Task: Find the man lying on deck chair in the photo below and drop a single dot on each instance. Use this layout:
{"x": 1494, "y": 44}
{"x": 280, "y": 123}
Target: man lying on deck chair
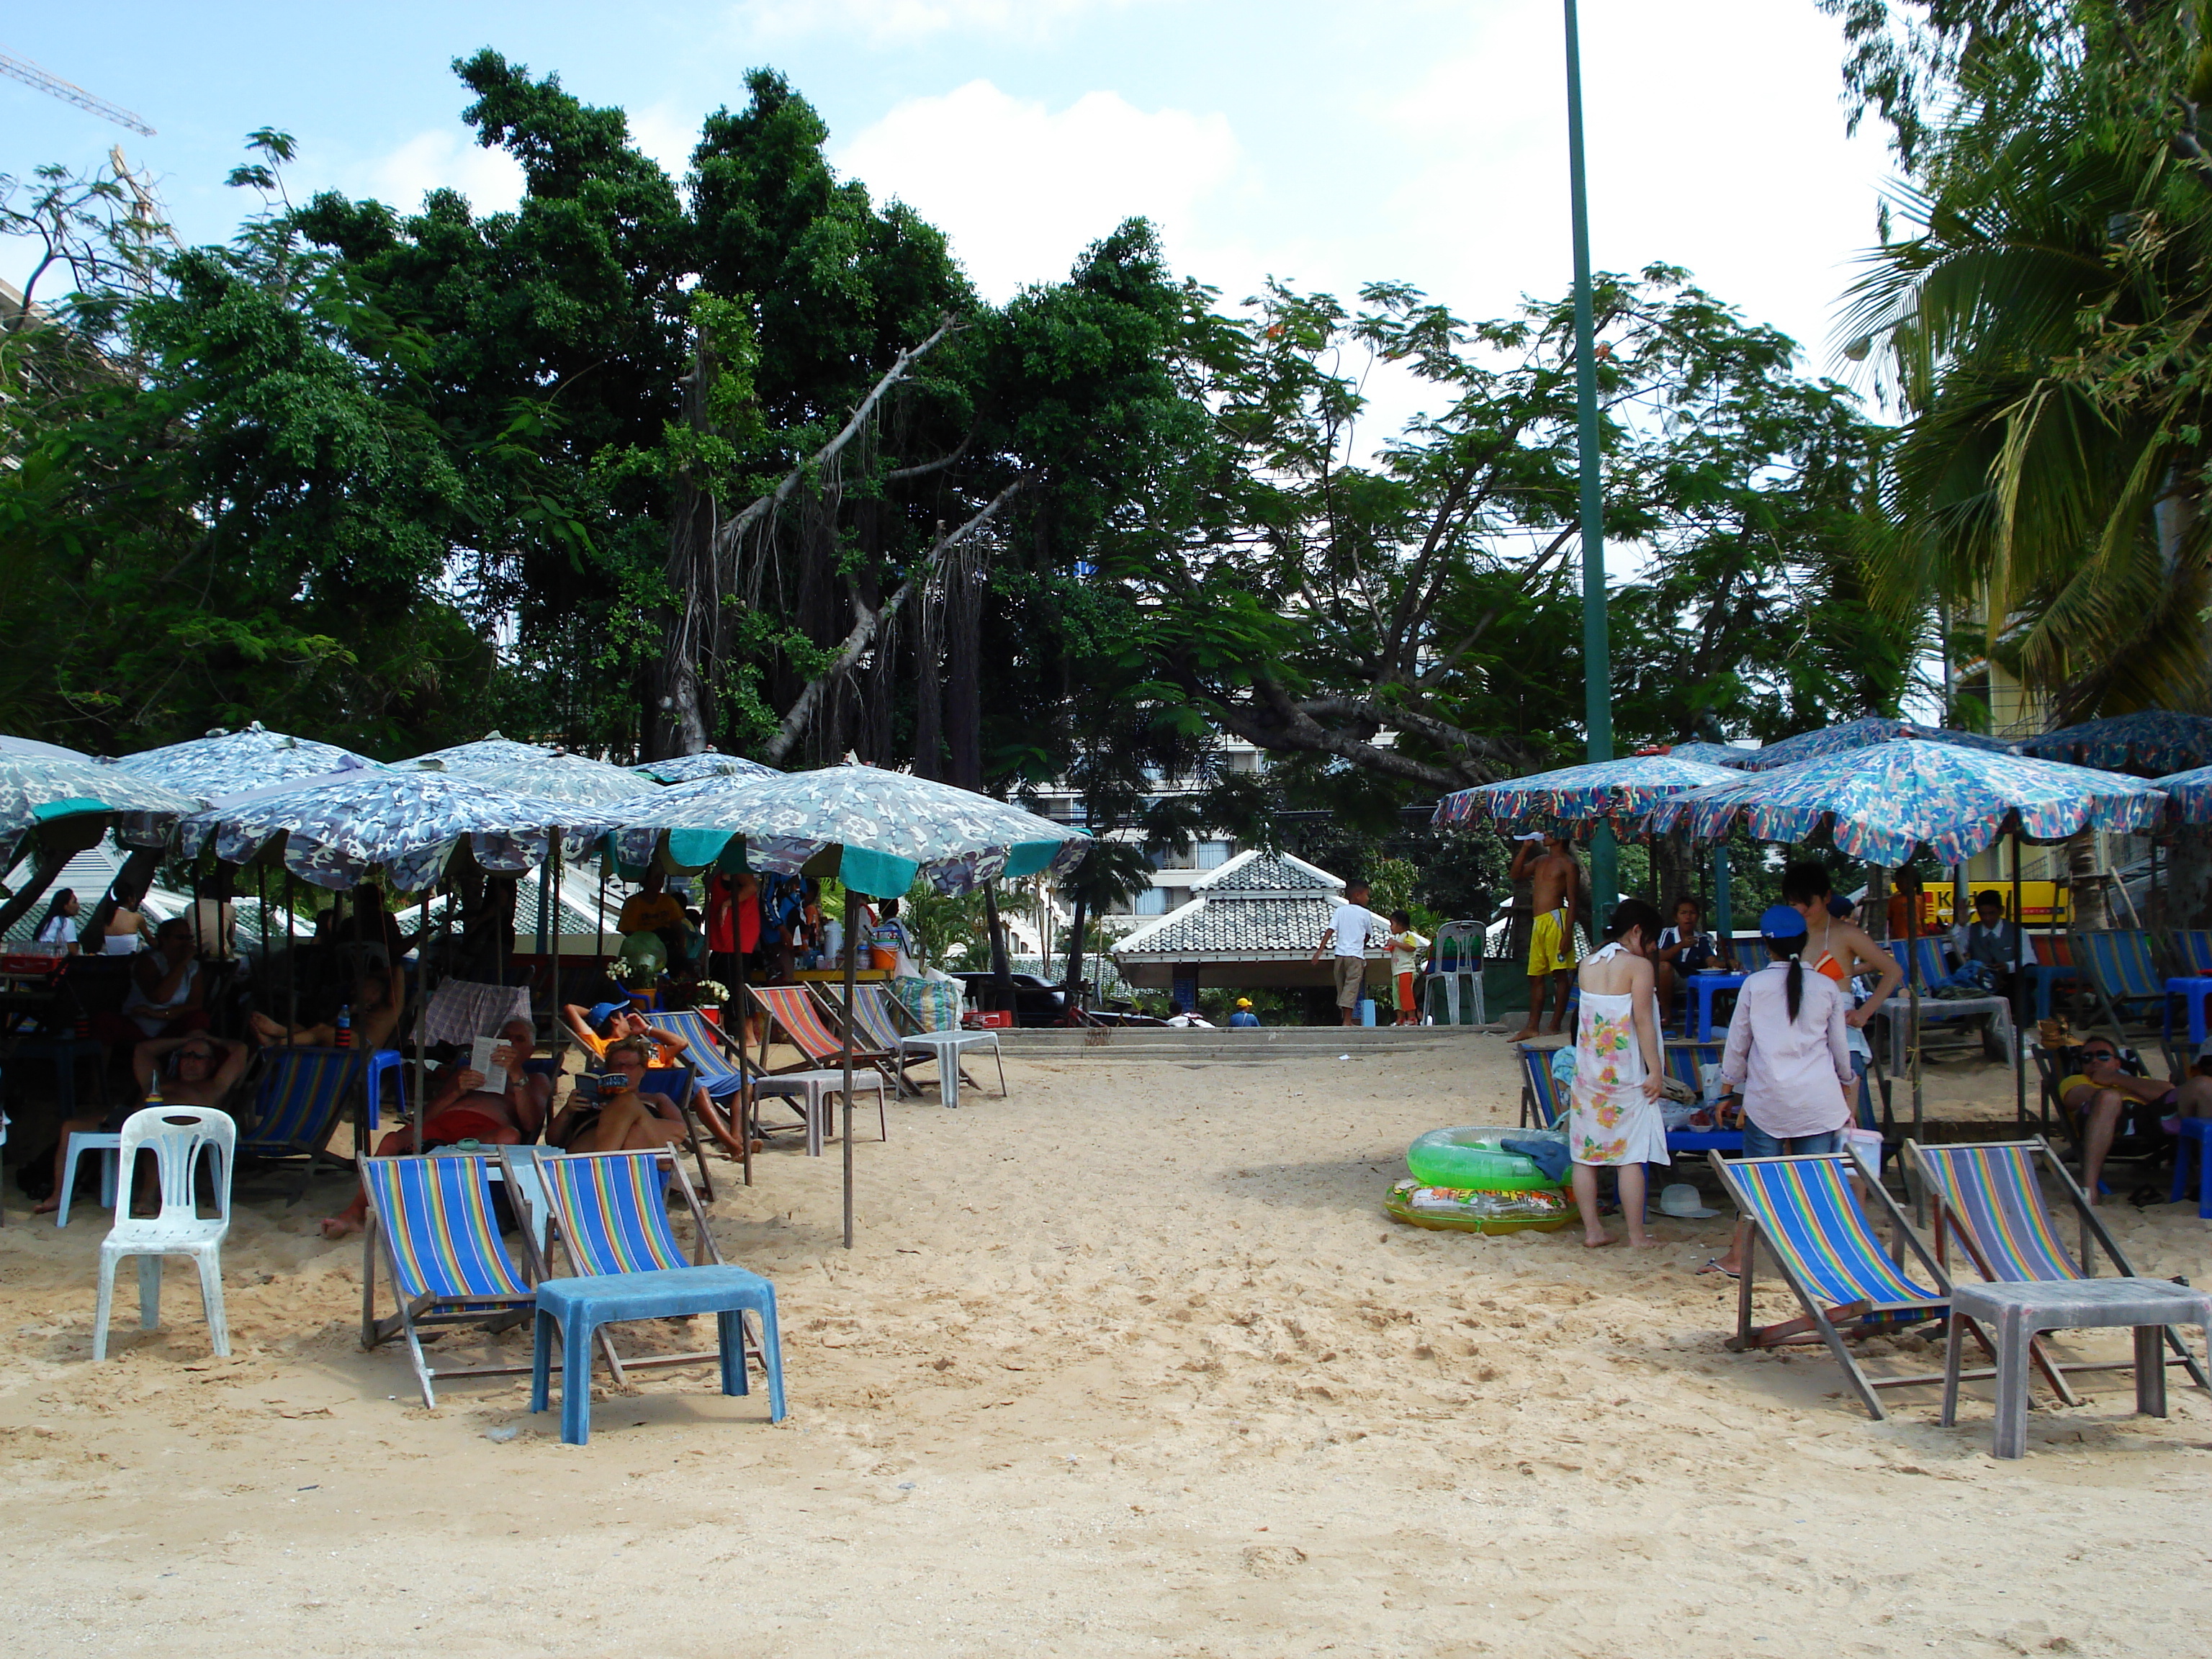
{"x": 198, "y": 1070}
{"x": 621, "y": 1117}
{"x": 2101, "y": 1091}
{"x": 599, "y": 1027}
{"x": 461, "y": 1108}
{"x": 375, "y": 1013}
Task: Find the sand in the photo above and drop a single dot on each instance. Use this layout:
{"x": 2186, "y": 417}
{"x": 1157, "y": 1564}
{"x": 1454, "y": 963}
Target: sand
{"x": 1130, "y": 1363}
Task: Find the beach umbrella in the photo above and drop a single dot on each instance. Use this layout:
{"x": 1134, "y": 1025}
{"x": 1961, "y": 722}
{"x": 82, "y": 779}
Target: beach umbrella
{"x": 1859, "y": 734}
{"x": 1710, "y": 754}
{"x": 878, "y": 832}
{"x": 1882, "y": 803}
{"x": 707, "y": 763}
{"x": 2188, "y": 795}
{"x": 1616, "y": 789}
{"x": 224, "y": 763}
{"x": 63, "y": 805}
{"x": 577, "y": 778}
{"x": 31, "y": 747}
{"x": 2150, "y": 741}
{"x": 493, "y": 749}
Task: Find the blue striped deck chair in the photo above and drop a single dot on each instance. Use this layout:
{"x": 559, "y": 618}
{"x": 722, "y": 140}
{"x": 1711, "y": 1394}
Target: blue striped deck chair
{"x": 2192, "y": 949}
{"x": 1806, "y": 1211}
{"x": 1542, "y": 1101}
{"x": 711, "y": 1057}
{"x": 1686, "y": 1063}
{"x": 431, "y": 1219}
{"x": 2123, "y": 972}
{"x": 1988, "y": 1195}
{"x": 297, "y": 1102}
{"x": 610, "y": 1213}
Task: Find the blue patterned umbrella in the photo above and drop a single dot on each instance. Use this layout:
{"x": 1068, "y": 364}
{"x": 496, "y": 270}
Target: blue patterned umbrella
{"x": 1617, "y": 789}
{"x": 36, "y": 789}
{"x": 1712, "y": 754}
{"x": 2189, "y": 795}
{"x": 2151, "y": 740}
{"x": 231, "y": 763}
{"x": 574, "y": 778}
{"x": 707, "y": 763}
{"x": 493, "y": 749}
{"x": 1858, "y": 734}
{"x": 886, "y": 829}
{"x": 42, "y": 751}
{"x": 1881, "y": 802}
{"x": 397, "y": 829}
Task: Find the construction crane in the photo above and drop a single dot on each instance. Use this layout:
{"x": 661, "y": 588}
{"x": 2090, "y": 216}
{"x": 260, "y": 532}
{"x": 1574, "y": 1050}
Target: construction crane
{"x": 21, "y": 69}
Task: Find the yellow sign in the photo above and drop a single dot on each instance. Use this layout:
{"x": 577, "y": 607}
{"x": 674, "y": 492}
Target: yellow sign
{"x": 2043, "y": 904}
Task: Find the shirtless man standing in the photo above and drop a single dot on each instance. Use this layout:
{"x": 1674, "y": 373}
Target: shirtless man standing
{"x": 1554, "y": 879}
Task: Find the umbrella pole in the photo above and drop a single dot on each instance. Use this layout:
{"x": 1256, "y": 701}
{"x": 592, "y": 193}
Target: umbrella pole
{"x": 421, "y": 1009}
{"x": 549, "y": 914}
{"x": 291, "y": 966}
{"x": 1913, "y": 984}
{"x": 851, "y": 984}
{"x": 2019, "y": 977}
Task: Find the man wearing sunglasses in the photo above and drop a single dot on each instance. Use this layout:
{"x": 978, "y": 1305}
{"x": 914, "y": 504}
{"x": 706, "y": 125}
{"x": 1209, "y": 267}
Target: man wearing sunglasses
{"x": 194, "y": 1070}
{"x": 2099, "y": 1094}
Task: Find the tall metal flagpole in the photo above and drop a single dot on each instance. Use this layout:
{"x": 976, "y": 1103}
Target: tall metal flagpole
{"x": 1597, "y": 651}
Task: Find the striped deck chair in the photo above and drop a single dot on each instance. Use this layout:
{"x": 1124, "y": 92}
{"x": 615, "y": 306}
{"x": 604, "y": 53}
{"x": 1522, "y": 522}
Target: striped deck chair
{"x": 2192, "y": 949}
{"x": 297, "y": 1102}
{"x": 1925, "y": 967}
{"x": 1542, "y": 1101}
{"x": 890, "y": 1023}
{"x": 2122, "y": 972}
{"x": 1988, "y": 1194}
{"x": 806, "y": 1025}
{"x": 873, "y": 1026}
{"x": 1807, "y": 1213}
{"x": 713, "y": 1058}
{"x": 432, "y": 1218}
{"x": 610, "y": 1213}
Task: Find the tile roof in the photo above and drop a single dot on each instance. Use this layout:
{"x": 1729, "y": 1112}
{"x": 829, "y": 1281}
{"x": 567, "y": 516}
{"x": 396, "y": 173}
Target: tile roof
{"x": 1259, "y": 905}
{"x": 1257, "y": 874}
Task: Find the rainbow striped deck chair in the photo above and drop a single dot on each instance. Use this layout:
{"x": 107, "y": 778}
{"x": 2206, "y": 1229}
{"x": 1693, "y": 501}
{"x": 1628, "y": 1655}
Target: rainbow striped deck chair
{"x": 609, "y": 1215}
{"x": 1987, "y": 1195}
{"x": 297, "y": 1102}
{"x": 890, "y": 1025}
{"x": 2122, "y": 969}
{"x": 712, "y": 1056}
{"x": 1686, "y": 1064}
{"x": 431, "y": 1219}
{"x": 1542, "y": 1099}
{"x": 812, "y": 1029}
{"x": 1806, "y": 1211}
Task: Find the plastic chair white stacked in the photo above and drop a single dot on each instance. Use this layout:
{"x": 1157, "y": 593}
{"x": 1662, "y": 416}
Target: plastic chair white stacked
{"x": 177, "y": 1135}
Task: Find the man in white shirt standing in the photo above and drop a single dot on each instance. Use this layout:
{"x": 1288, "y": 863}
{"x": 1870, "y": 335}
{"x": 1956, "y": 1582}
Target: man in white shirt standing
{"x": 1350, "y": 928}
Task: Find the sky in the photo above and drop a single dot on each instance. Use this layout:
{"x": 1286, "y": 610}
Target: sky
{"x": 1326, "y": 145}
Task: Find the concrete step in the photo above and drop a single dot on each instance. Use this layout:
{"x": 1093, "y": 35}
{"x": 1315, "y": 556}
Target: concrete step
{"x": 1269, "y": 1044}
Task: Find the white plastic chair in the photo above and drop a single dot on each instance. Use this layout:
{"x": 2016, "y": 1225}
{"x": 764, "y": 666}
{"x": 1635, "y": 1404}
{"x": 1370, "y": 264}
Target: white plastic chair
{"x": 177, "y": 1136}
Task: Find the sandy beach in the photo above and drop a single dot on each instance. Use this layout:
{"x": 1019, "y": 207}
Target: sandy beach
{"x": 1129, "y": 1363}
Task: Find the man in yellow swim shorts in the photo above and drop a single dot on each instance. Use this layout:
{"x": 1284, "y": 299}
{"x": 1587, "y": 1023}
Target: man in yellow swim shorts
{"x": 1553, "y": 879}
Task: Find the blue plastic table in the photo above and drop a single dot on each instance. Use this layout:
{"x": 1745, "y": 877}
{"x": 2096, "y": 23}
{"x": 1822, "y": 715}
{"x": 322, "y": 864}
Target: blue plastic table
{"x": 580, "y": 1306}
{"x": 1704, "y": 987}
{"x": 2195, "y": 989}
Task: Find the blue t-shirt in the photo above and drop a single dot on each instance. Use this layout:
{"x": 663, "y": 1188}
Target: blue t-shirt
{"x": 1243, "y": 1017}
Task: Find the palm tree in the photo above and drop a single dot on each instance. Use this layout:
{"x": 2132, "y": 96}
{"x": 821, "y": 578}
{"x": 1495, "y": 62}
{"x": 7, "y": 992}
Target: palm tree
{"x": 1110, "y": 872}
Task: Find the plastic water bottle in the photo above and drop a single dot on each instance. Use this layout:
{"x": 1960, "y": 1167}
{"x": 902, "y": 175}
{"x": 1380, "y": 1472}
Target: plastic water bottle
{"x": 154, "y": 1091}
{"x": 344, "y": 1036}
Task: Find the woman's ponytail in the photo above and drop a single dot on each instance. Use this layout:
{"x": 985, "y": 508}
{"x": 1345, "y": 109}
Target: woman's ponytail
{"x": 1794, "y": 992}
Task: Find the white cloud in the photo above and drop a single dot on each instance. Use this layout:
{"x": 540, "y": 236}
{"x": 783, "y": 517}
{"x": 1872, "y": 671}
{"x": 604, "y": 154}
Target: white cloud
{"x": 1022, "y": 189}
{"x": 889, "y": 23}
{"x": 666, "y": 136}
{"x": 441, "y": 158}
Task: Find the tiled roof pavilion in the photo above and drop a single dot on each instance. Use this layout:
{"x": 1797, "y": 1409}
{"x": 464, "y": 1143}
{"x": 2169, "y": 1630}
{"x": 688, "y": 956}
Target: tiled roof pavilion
{"x": 1254, "y": 922}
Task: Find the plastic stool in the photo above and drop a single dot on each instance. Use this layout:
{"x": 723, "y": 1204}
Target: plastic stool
{"x": 2189, "y": 1148}
{"x": 82, "y": 1141}
{"x": 379, "y": 1062}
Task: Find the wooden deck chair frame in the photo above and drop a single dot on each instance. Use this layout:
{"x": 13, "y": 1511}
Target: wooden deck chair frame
{"x": 488, "y": 1313}
{"x": 302, "y": 1135}
{"x": 1948, "y": 1221}
{"x": 1824, "y": 1320}
{"x": 705, "y": 1252}
{"x": 810, "y": 1060}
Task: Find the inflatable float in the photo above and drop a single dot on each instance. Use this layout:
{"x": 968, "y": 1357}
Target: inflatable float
{"x": 1464, "y": 1180}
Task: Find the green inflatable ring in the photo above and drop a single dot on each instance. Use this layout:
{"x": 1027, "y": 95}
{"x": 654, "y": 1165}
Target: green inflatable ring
{"x": 1474, "y": 1157}
{"x": 1444, "y": 1209}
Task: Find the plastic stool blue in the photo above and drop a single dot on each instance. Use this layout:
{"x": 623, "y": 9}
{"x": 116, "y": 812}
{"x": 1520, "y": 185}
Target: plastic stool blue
{"x": 578, "y": 1307}
{"x": 381, "y": 1061}
{"x": 2191, "y": 1148}
{"x": 109, "y": 1146}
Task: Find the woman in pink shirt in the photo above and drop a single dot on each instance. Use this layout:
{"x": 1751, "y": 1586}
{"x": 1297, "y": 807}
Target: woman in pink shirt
{"x": 1787, "y": 1054}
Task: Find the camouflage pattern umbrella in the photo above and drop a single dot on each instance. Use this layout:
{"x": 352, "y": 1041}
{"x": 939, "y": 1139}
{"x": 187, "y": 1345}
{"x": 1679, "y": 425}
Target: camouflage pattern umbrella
{"x": 230, "y": 762}
{"x": 707, "y": 763}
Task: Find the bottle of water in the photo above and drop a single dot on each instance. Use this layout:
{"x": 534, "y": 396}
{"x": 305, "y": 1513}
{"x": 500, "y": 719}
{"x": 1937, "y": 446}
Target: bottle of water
{"x": 154, "y": 1089}
{"x": 344, "y": 1039}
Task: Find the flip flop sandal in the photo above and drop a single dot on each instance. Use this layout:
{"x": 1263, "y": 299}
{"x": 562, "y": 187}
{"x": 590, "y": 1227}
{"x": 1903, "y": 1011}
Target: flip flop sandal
{"x": 1713, "y": 1266}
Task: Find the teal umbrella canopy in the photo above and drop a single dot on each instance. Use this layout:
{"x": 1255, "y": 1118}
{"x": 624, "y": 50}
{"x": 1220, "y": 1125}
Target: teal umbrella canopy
{"x": 877, "y": 831}
{"x": 35, "y": 789}
{"x": 231, "y": 763}
{"x": 1881, "y": 803}
{"x": 707, "y": 763}
{"x": 1859, "y": 734}
{"x": 399, "y": 830}
{"x": 2150, "y": 740}
{"x": 1617, "y": 789}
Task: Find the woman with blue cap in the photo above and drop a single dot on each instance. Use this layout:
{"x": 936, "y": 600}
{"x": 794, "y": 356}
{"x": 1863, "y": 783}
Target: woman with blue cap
{"x": 1787, "y": 1055}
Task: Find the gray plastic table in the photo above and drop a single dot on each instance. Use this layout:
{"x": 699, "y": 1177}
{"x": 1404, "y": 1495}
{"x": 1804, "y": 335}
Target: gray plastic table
{"x": 2013, "y": 1314}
